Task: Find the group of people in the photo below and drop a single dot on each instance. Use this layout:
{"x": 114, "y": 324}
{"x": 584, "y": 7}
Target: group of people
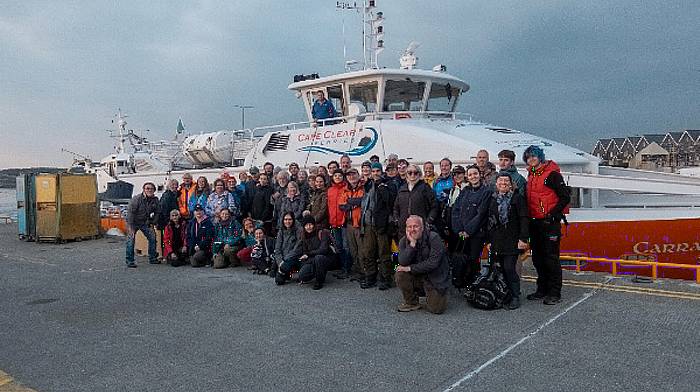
{"x": 384, "y": 225}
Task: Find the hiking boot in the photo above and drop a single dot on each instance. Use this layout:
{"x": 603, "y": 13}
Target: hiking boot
{"x": 535, "y": 296}
{"x": 357, "y": 278}
{"x": 341, "y": 275}
{"x": 131, "y": 265}
{"x": 513, "y": 304}
{"x": 317, "y": 286}
{"x": 404, "y": 307}
{"x": 383, "y": 285}
{"x": 551, "y": 300}
{"x": 368, "y": 284}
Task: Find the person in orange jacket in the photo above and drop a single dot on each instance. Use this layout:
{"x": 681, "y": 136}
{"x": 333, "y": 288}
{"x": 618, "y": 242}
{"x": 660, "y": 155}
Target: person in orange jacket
{"x": 336, "y": 221}
{"x": 186, "y": 189}
{"x": 351, "y": 204}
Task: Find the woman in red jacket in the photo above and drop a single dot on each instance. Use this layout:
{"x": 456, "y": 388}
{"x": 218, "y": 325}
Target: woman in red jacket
{"x": 336, "y": 221}
{"x": 175, "y": 240}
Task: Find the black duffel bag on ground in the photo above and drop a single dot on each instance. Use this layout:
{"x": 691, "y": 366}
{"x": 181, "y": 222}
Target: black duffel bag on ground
{"x": 489, "y": 291}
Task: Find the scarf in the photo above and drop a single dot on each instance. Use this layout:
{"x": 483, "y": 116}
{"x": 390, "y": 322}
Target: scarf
{"x": 503, "y": 201}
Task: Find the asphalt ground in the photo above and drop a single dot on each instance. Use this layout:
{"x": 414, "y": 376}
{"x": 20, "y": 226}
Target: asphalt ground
{"x": 73, "y": 318}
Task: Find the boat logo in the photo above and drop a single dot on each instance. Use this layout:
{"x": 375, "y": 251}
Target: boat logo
{"x": 367, "y": 140}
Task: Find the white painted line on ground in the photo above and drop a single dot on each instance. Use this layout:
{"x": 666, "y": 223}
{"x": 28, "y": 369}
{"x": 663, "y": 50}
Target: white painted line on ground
{"x": 510, "y": 348}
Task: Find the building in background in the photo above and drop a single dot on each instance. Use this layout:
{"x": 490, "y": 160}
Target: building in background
{"x": 660, "y": 152}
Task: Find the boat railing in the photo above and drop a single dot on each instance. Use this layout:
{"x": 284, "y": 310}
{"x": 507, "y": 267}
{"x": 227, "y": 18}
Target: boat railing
{"x": 258, "y": 132}
{"x": 617, "y": 263}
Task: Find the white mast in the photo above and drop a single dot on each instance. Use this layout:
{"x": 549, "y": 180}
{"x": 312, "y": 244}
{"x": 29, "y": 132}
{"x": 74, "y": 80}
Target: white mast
{"x": 121, "y": 129}
{"x": 372, "y": 33}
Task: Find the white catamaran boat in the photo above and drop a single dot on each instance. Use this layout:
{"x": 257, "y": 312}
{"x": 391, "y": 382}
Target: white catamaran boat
{"x": 616, "y": 212}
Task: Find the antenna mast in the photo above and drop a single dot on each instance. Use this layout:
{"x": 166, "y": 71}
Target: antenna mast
{"x": 372, "y": 32}
{"x": 120, "y": 122}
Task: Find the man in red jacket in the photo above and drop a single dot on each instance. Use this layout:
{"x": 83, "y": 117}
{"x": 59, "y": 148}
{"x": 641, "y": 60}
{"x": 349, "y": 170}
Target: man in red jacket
{"x": 547, "y": 199}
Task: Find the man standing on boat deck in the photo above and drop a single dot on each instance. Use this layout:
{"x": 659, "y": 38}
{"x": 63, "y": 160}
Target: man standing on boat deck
{"x": 142, "y": 215}
{"x": 186, "y": 189}
{"x": 322, "y": 108}
{"x": 547, "y": 199}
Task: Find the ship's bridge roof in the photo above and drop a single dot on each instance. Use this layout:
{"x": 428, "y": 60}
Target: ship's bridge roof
{"x": 383, "y": 72}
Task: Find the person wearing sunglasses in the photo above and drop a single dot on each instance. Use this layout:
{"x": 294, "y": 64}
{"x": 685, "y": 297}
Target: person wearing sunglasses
{"x": 414, "y": 198}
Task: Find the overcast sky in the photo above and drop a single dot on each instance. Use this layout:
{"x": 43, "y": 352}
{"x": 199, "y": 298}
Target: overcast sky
{"x": 571, "y": 70}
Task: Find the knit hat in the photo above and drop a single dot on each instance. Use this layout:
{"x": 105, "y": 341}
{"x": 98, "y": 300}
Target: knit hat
{"x": 533, "y": 151}
{"x": 254, "y": 170}
{"x": 376, "y": 165}
{"x": 338, "y": 171}
{"x": 366, "y": 163}
{"x": 308, "y": 219}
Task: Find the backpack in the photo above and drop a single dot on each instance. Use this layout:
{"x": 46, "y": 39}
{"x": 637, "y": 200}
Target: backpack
{"x": 489, "y": 291}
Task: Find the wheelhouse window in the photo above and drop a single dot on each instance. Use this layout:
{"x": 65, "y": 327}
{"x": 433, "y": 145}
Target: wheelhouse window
{"x": 403, "y": 95}
{"x": 364, "y": 94}
{"x": 442, "y": 97}
{"x": 335, "y": 95}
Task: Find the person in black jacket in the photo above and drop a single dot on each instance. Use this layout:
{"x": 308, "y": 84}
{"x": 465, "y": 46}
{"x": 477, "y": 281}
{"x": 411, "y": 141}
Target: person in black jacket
{"x": 142, "y": 214}
{"x": 168, "y": 202}
{"x": 260, "y": 203}
{"x": 375, "y": 250}
{"x": 415, "y": 197}
{"x": 200, "y": 238}
{"x": 468, "y": 221}
{"x": 313, "y": 248}
{"x": 422, "y": 264}
{"x": 507, "y": 232}
{"x": 261, "y": 255}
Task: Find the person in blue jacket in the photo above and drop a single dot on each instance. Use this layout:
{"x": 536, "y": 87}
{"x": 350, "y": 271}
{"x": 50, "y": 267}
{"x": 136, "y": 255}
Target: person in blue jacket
{"x": 322, "y": 108}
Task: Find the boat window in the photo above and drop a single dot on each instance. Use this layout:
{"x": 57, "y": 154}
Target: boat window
{"x": 442, "y": 97}
{"x": 335, "y": 95}
{"x": 403, "y": 95}
{"x": 364, "y": 94}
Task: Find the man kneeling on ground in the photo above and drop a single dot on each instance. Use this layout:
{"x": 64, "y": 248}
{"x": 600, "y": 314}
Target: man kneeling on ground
{"x": 200, "y": 237}
{"x": 422, "y": 264}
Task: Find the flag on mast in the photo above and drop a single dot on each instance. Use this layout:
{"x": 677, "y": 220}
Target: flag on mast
{"x": 180, "y": 128}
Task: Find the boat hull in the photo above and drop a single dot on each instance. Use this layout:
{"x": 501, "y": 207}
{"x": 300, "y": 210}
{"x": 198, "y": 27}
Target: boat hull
{"x": 665, "y": 241}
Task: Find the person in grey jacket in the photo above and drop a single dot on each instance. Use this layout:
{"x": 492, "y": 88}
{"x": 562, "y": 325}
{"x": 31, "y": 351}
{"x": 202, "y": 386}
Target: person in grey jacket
{"x": 285, "y": 246}
{"x": 142, "y": 214}
{"x": 422, "y": 264}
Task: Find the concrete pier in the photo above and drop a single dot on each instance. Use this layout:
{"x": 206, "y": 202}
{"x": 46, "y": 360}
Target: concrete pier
{"x": 74, "y": 318}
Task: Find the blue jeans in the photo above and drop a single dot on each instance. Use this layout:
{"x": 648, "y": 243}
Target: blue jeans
{"x": 342, "y": 248}
{"x": 150, "y": 235}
